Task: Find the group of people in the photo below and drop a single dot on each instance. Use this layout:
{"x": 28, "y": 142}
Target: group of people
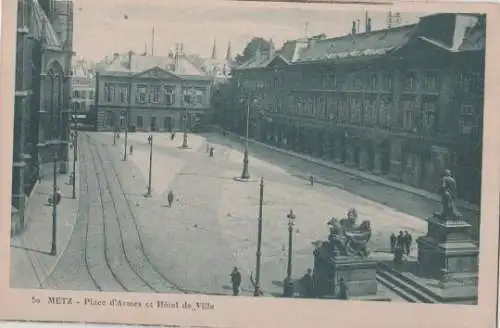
{"x": 308, "y": 290}
{"x": 401, "y": 245}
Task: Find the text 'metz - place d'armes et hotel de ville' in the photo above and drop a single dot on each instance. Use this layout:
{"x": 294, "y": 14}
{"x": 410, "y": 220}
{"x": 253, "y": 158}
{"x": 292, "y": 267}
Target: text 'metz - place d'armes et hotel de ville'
{"x": 299, "y": 157}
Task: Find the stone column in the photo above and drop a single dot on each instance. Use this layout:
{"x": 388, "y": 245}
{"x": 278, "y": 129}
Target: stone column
{"x": 395, "y": 171}
{"x": 363, "y": 158}
{"x": 350, "y": 153}
{"x": 377, "y": 162}
{"x": 339, "y": 148}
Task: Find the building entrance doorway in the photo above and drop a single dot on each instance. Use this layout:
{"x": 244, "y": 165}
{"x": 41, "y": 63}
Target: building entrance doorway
{"x": 167, "y": 124}
{"x": 153, "y": 124}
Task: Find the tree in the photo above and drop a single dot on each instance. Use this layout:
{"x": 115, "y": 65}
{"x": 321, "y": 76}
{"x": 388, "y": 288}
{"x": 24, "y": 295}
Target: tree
{"x": 251, "y": 49}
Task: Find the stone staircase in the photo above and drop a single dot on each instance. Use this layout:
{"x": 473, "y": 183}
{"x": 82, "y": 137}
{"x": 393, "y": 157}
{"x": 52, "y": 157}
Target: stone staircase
{"x": 414, "y": 291}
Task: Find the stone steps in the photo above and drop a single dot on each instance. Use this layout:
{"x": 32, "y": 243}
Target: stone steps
{"x": 405, "y": 287}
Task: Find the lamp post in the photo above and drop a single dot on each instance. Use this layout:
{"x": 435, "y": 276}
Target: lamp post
{"x": 188, "y": 98}
{"x": 126, "y": 135}
{"x": 245, "y": 175}
{"x": 259, "y": 241}
{"x": 75, "y": 153}
{"x": 150, "y": 141}
{"x": 288, "y": 283}
{"x": 53, "y": 250}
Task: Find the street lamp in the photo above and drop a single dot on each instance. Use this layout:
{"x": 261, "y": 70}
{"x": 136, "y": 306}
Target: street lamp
{"x": 150, "y": 141}
{"x": 188, "y": 98}
{"x": 53, "y": 250}
{"x": 126, "y": 133}
{"x": 75, "y": 152}
{"x": 288, "y": 283}
{"x": 257, "y": 291}
{"x": 245, "y": 175}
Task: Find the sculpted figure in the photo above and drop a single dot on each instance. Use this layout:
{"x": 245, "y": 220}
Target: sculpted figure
{"x": 346, "y": 239}
{"x": 447, "y": 191}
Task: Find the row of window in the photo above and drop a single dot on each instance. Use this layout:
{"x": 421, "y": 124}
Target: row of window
{"x": 83, "y": 94}
{"x": 370, "y": 111}
{"x": 116, "y": 120}
{"x": 410, "y": 81}
{"x": 79, "y": 106}
{"x": 153, "y": 94}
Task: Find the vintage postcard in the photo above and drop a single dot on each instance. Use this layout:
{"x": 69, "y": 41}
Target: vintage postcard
{"x": 249, "y": 164}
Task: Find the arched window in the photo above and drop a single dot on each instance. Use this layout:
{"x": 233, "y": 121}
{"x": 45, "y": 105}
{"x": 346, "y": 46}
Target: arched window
{"x": 77, "y": 106}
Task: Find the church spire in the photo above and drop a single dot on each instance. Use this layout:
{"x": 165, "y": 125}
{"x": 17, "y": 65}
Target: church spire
{"x": 272, "y": 49}
{"x": 214, "y": 50}
{"x": 228, "y": 52}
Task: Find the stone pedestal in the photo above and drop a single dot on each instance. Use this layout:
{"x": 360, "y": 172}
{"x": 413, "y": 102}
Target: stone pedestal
{"x": 360, "y": 275}
{"x": 447, "y": 252}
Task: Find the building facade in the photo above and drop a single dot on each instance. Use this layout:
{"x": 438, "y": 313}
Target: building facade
{"x": 152, "y": 93}
{"x": 42, "y": 93}
{"x": 83, "y": 87}
{"x": 374, "y": 100}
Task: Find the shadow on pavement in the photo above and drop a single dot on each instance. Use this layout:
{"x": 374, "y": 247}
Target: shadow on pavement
{"x": 31, "y": 250}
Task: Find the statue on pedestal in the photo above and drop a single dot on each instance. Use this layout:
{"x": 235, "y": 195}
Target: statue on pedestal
{"x": 447, "y": 191}
{"x": 348, "y": 239}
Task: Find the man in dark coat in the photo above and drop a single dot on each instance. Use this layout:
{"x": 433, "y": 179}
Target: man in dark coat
{"x": 393, "y": 242}
{"x": 307, "y": 284}
{"x": 170, "y": 198}
{"x": 408, "y": 240}
{"x": 342, "y": 295}
{"x": 236, "y": 281}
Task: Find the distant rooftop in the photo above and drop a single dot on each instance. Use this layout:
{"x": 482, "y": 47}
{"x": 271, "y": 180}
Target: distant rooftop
{"x": 468, "y": 34}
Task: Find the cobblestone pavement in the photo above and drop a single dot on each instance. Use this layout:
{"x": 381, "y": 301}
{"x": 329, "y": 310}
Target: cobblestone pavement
{"x": 212, "y": 224}
{"x": 398, "y": 199}
{"x": 105, "y": 243}
{"x": 30, "y": 261}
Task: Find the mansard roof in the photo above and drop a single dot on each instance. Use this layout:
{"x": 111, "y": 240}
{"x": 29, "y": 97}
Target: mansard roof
{"x": 368, "y": 44}
{"x": 123, "y": 65}
{"x": 466, "y": 33}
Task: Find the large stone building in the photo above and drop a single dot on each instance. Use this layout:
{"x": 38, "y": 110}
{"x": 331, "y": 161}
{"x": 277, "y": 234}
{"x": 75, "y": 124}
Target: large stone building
{"x": 42, "y": 93}
{"x": 83, "y": 87}
{"x": 405, "y": 102}
{"x": 155, "y": 92}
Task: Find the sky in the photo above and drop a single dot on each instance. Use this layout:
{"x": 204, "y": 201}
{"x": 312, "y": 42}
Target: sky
{"x": 101, "y": 29}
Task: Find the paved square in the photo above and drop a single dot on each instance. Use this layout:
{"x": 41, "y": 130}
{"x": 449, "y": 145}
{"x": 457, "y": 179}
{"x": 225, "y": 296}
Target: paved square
{"x": 212, "y": 225}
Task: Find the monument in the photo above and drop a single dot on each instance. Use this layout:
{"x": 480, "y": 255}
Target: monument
{"x": 344, "y": 257}
{"x": 448, "y": 253}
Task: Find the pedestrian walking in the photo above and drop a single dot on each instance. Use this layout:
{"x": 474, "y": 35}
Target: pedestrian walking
{"x": 393, "y": 242}
{"x": 400, "y": 240}
{"x": 170, "y": 198}
{"x": 131, "y": 149}
{"x": 307, "y": 284}
{"x": 408, "y": 241}
{"x": 172, "y": 136}
{"x": 236, "y": 281}
{"x": 311, "y": 180}
{"x": 343, "y": 291}
{"x": 211, "y": 152}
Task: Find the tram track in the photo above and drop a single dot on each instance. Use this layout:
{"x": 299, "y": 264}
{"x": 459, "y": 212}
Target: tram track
{"x": 105, "y": 281}
{"x": 133, "y": 250}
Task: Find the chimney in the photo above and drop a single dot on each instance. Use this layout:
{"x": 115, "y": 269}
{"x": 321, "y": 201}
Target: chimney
{"x": 353, "y": 30}
{"x": 368, "y": 25}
